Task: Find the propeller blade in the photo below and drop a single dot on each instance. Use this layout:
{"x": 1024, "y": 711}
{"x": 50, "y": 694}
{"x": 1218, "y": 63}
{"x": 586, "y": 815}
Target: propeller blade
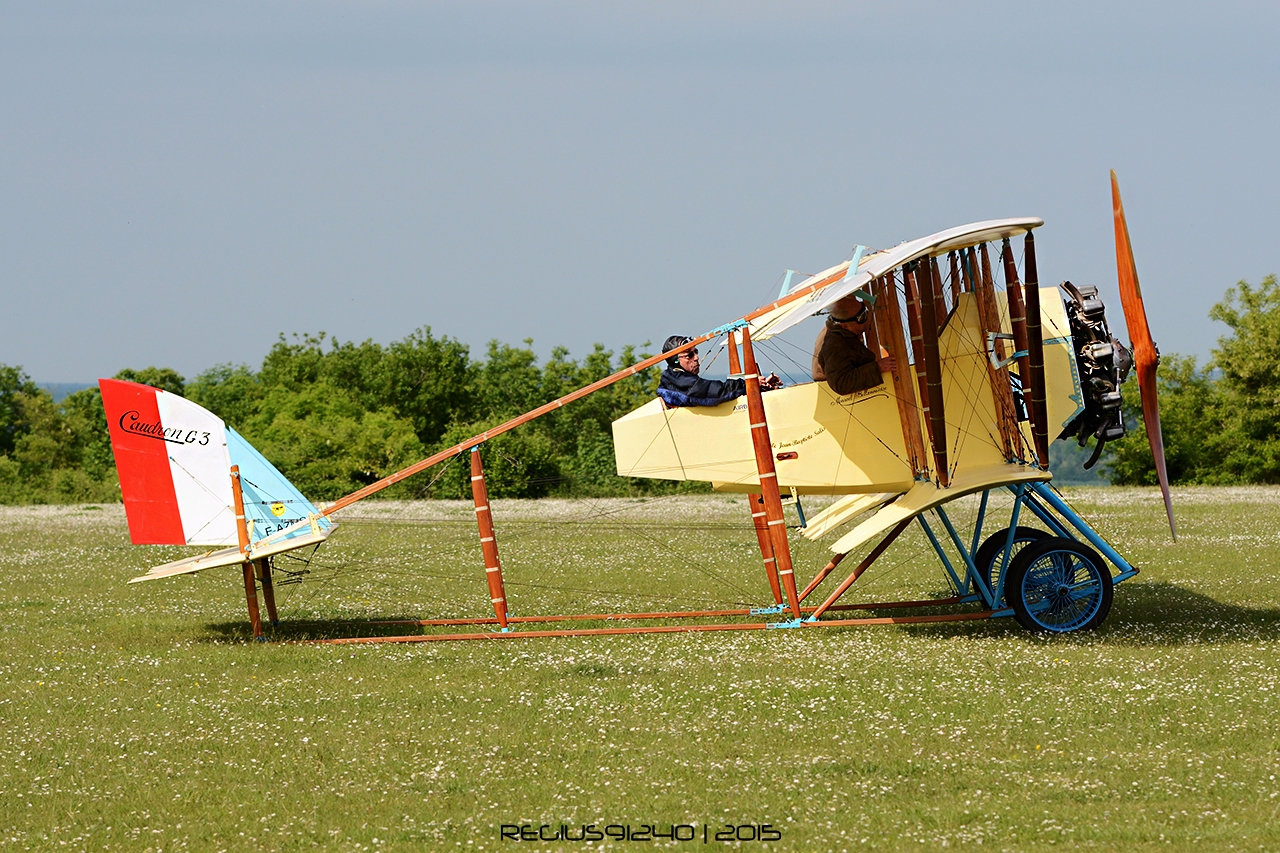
{"x": 1145, "y": 356}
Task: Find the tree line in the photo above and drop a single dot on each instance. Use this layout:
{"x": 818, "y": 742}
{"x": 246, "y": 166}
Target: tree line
{"x": 336, "y": 416}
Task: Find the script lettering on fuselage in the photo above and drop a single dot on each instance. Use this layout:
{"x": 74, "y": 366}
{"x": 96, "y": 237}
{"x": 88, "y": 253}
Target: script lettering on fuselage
{"x": 859, "y": 396}
{"x": 796, "y": 442}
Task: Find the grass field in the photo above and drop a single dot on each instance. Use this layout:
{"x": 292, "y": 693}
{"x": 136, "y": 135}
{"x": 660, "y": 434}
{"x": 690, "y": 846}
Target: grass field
{"x": 141, "y": 717}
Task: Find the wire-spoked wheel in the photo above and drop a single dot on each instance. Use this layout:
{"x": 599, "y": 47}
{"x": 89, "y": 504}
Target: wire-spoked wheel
{"x": 1057, "y": 585}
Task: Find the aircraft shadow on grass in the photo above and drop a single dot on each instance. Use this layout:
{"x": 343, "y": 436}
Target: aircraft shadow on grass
{"x": 1164, "y": 613}
{"x": 1144, "y": 614}
{"x": 311, "y": 629}
{"x": 1156, "y": 613}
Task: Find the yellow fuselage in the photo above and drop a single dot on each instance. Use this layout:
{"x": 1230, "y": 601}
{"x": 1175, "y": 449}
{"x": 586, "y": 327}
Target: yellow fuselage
{"x": 829, "y": 444}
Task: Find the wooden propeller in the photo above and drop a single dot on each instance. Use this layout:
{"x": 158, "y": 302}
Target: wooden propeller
{"x": 1145, "y": 356}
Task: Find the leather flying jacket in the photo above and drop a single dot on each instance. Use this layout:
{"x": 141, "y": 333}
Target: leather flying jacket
{"x": 848, "y": 364}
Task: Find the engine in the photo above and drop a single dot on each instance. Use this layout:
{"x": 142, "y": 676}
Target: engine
{"x": 1104, "y": 363}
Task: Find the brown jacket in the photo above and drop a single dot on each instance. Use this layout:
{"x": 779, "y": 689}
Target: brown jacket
{"x": 844, "y": 362}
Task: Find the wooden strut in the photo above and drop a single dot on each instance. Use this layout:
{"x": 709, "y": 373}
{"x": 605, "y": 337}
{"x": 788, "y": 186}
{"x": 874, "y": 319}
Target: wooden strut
{"x": 888, "y": 323}
{"x": 933, "y": 371}
{"x": 1035, "y": 355}
{"x": 755, "y": 503}
{"x": 862, "y": 567}
{"x": 488, "y": 541}
{"x": 968, "y": 271}
{"x": 1007, "y": 415}
{"x": 268, "y": 588}
{"x": 873, "y": 328}
{"x": 242, "y": 530}
{"x": 956, "y": 281}
{"x": 768, "y": 474}
{"x": 917, "y": 341}
{"x": 1017, "y": 318}
{"x": 822, "y": 575}
{"x": 989, "y": 318}
{"x": 939, "y": 298}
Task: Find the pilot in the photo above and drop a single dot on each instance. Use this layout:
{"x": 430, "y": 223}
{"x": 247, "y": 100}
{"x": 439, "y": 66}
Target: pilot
{"x": 840, "y": 356}
{"x": 680, "y": 384}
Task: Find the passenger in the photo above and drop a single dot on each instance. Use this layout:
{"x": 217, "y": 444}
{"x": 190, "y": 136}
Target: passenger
{"x": 840, "y": 357}
{"x": 680, "y": 384}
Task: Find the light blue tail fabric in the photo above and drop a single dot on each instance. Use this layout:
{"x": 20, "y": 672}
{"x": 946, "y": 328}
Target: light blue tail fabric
{"x": 271, "y": 502}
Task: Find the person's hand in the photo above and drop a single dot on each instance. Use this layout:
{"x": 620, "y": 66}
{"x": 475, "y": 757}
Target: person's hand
{"x": 888, "y": 364}
{"x": 771, "y": 382}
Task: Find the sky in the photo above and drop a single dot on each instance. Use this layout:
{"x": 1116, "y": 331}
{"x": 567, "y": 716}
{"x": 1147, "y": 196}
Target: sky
{"x": 182, "y": 183}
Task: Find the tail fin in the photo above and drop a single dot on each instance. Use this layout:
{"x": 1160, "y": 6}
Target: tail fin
{"x": 174, "y": 459}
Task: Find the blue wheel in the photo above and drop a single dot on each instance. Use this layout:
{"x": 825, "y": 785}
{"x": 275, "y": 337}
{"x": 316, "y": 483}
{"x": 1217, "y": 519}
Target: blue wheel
{"x": 1057, "y": 585}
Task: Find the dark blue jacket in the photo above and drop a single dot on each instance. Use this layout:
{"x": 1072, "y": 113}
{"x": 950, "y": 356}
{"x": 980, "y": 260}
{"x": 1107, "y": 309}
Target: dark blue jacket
{"x": 679, "y": 387}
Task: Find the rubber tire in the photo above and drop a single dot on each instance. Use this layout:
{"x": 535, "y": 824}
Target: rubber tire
{"x": 984, "y": 559}
{"x": 1038, "y": 587}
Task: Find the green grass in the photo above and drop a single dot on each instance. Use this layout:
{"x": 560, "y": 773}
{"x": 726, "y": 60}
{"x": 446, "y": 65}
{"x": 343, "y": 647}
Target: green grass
{"x": 141, "y": 717}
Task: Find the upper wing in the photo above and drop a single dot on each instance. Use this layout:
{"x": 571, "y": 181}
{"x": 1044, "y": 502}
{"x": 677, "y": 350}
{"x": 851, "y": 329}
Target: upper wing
{"x": 839, "y": 283}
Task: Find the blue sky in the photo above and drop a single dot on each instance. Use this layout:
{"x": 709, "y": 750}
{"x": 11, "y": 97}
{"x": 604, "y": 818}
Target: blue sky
{"x": 181, "y": 182}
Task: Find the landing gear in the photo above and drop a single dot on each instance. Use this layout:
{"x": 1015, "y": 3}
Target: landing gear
{"x": 1057, "y": 585}
{"x": 988, "y": 558}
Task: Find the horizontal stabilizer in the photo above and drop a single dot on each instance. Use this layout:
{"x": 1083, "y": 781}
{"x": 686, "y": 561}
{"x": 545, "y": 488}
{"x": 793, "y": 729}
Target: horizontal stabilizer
{"x": 232, "y": 557}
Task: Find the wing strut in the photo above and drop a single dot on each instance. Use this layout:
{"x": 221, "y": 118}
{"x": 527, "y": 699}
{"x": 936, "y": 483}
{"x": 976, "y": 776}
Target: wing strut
{"x": 1146, "y": 358}
{"x": 888, "y": 324}
{"x": 1017, "y": 317}
{"x": 1011, "y": 435}
{"x": 768, "y": 475}
{"x": 930, "y": 321}
{"x": 915, "y": 308}
{"x": 1038, "y": 409}
{"x": 995, "y": 378}
{"x": 488, "y": 539}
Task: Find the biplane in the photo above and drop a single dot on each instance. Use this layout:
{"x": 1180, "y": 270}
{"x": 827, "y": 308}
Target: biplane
{"x": 990, "y": 366}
